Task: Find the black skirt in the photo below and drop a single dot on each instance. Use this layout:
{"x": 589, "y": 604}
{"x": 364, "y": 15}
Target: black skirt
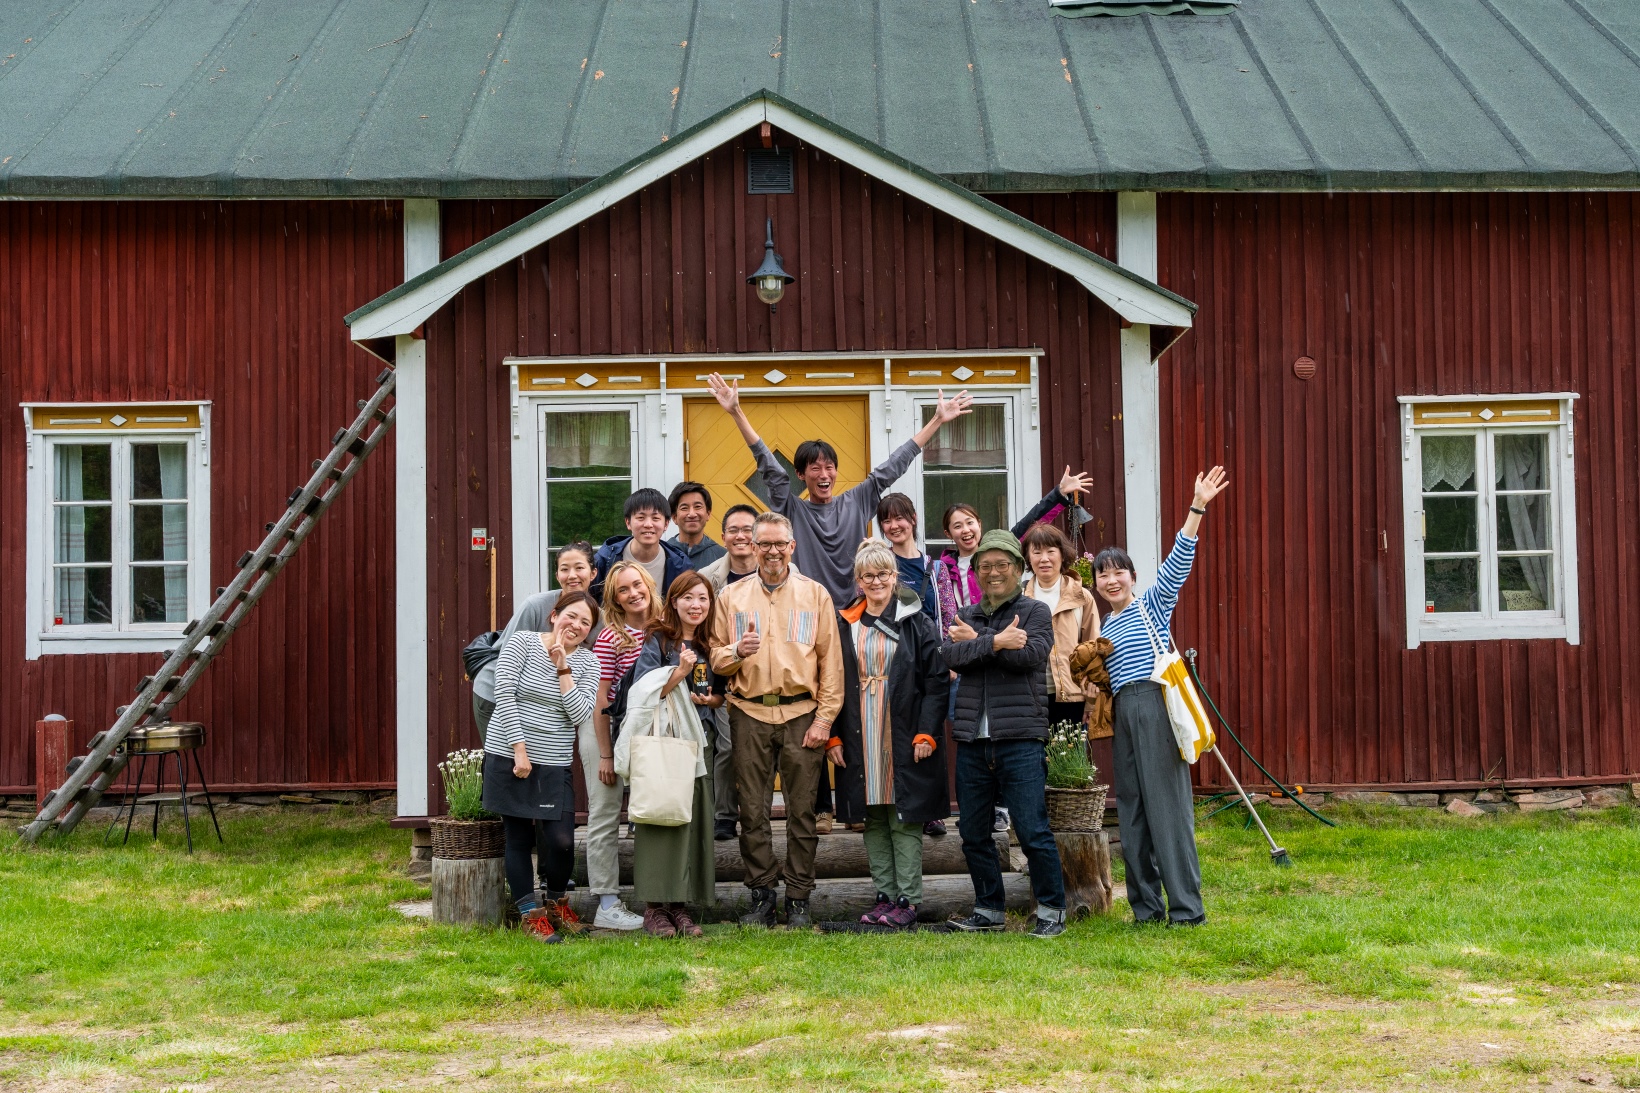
{"x": 547, "y": 794}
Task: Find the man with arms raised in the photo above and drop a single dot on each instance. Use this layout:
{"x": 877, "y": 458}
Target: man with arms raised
{"x": 775, "y": 639}
{"x": 826, "y": 527}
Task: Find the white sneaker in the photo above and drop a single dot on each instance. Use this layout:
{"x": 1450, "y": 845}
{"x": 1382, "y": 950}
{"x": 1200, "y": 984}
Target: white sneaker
{"x": 617, "y": 917}
{"x": 1001, "y": 821}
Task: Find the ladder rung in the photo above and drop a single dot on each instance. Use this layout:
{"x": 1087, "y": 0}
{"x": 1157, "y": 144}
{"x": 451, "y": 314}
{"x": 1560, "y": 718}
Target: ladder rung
{"x": 245, "y": 558}
{"x": 144, "y": 682}
{"x": 387, "y": 374}
{"x": 193, "y": 624}
{"x": 336, "y": 437}
{"x": 294, "y": 494}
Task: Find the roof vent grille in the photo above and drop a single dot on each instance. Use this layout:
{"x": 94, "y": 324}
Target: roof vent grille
{"x": 769, "y": 171}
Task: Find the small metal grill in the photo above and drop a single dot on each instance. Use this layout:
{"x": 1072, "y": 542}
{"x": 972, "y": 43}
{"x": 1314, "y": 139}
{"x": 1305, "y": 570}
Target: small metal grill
{"x": 769, "y": 171}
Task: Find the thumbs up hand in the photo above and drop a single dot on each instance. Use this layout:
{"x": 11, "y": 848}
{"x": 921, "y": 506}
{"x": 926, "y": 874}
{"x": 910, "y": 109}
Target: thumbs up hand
{"x": 1009, "y": 637}
{"x": 750, "y": 642}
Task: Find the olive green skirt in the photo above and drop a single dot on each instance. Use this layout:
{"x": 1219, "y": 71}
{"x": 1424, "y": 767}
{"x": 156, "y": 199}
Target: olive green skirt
{"x": 677, "y": 864}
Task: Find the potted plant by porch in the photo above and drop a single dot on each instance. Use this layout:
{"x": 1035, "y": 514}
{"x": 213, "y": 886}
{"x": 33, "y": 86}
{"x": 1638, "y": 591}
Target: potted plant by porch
{"x": 469, "y": 876}
{"x": 1075, "y": 801}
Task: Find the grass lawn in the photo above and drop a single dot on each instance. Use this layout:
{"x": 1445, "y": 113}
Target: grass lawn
{"x": 1406, "y": 950}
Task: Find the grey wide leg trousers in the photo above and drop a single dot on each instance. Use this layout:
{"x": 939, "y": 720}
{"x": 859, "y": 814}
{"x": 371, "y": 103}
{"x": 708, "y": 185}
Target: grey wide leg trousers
{"x": 1156, "y": 809}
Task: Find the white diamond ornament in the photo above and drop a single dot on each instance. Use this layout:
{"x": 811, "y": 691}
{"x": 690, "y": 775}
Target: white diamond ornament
{"x": 962, "y": 373}
{"x": 1486, "y": 415}
{"x": 586, "y": 379}
{"x": 117, "y": 420}
{"x": 775, "y": 376}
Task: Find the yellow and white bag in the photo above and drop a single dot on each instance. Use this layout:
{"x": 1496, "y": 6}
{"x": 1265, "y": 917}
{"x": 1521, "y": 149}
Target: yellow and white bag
{"x": 1191, "y": 729}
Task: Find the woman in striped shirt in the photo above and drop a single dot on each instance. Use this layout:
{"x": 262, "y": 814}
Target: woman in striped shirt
{"x": 1153, "y": 799}
{"x": 545, "y": 685}
{"x": 630, "y": 604}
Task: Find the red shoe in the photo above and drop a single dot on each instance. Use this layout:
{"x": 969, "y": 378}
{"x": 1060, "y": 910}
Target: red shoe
{"x": 902, "y": 917}
{"x": 686, "y": 925}
{"x": 537, "y": 925}
{"x": 563, "y": 919}
{"x": 657, "y": 921}
{"x": 874, "y": 917}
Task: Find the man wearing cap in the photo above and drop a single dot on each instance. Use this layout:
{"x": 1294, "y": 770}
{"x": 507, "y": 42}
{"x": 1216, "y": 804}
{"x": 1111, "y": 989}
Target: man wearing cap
{"x": 1001, "y": 646}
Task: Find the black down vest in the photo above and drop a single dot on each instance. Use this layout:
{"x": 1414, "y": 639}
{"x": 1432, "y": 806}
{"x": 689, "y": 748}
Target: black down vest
{"x": 1010, "y": 685}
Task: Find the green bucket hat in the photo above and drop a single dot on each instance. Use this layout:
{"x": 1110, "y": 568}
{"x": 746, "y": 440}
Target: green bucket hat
{"x": 1003, "y": 541}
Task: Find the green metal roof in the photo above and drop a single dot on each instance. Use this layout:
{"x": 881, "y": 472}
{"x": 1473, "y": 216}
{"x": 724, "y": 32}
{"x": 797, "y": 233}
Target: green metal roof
{"x": 535, "y": 97}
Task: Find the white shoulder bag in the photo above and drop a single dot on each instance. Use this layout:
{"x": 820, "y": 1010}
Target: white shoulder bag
{"x": 662, "y": 773}
{"x": 1191, "y": 729}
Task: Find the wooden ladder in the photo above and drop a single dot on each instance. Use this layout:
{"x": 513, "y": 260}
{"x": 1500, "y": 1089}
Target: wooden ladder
{"x": 204, "y": 638}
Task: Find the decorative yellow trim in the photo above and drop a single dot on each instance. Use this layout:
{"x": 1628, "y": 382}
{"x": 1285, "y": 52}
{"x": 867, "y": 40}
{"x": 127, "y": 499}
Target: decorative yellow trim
{"x": 776, "y": 371}
{"x": 120, "y": 417}
{"x": 1487, "y": 412}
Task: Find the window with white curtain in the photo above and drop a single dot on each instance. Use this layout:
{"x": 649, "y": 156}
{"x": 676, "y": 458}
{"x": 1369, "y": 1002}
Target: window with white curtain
{"x": 119, "y": 521}
{"x": 1490, "y": 518}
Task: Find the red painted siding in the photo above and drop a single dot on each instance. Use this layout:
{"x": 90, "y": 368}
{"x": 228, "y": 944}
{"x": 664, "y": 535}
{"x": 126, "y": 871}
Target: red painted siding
{"x": 1297, "y": 604}
{"x": 239, "y": 303}
{"x": 664, "y": 272}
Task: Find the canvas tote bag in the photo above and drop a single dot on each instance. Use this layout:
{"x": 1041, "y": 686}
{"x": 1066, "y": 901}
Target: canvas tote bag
{"x": 662, "y": 774}
{"x": 1191, "y": 729}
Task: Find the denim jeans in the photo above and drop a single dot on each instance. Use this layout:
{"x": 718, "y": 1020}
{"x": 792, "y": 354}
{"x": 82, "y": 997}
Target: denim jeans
{"x": 1013, "y": 774}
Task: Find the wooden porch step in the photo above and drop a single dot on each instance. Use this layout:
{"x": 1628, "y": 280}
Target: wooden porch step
{"x": 840, "y": 898}
{"x": 840, "y": 854}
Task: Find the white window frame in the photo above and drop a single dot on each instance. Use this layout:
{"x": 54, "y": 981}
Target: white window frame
{"x": 1023, "y": 461}
{"x": 1490, "y": 623}
{"x": 42, "y": 635}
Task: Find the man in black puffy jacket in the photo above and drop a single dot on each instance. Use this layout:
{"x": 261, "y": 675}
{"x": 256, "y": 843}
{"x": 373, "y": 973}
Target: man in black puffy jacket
{"x": 1000, "y": 646}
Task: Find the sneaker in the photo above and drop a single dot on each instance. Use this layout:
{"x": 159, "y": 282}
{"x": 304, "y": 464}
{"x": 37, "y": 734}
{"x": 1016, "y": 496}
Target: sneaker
{"x": 563, "y": 919}
{"x": 903, "y": 916}
{"x": 535, "y": 923}
{"x": 1199, "y": 920}
{"x": 1002, "y": 821}
{"x": 762, "y": 911}
{"x": 1047, "y": 928}
{"x": 874, "y": 917}
{"x": 616, "y": 917}
{"x": 976, "y": 923}
{"x": 934, "y": 827}
{"x": 797, "y": 914}
{"x": 685, "y": 922}
{"x": 657, "y": 922}
{"x": 822, "y": 823}
{"x": 723, "y": 830}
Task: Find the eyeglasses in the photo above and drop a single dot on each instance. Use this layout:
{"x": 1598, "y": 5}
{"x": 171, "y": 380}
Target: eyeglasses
{"x": 876, "y": 578}
{"x": 994, "y": 567}
{"x": 770, "y": 548}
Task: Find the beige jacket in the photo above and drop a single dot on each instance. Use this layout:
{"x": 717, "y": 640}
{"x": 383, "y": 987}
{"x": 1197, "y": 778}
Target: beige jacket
{"x": 800, "y": 653}
{"x": 1075, "y": 620}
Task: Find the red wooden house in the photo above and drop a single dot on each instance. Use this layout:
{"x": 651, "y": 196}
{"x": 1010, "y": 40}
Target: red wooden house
{"x": 1380, "y": 261}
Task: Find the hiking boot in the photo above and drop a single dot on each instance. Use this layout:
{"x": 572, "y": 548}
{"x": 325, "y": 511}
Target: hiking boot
{"x": 822, "y": 823}
{"x": 536, "y": 924}
{"x": 657, "y": 922}
{"x": 874, "y": 917}
{"x": 977, "y": 923}
{"x": 797, "y": 914}
{"x": 903, "y": 916}
{"x": 934, "y": 827}
{"x": 1047, "y": 927}
{"x": 1001, "y": 821}
{"x": 684, "y": 922}
{"x": 723, "y": 830}
{"x": 762, "y": 910}
{"x": 563, "y": 919}
{"x": 616, "y": 917}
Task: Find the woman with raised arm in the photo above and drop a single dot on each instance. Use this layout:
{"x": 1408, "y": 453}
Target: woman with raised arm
{"x": 1153, "y": 799}
{"x": 673, "y": 867}
{"x": 545, "y": 686}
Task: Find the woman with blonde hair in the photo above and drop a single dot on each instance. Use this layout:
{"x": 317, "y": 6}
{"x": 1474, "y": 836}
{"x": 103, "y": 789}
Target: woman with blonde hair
{"x": 890, "y": 767}
{"x": 630, "y": 604}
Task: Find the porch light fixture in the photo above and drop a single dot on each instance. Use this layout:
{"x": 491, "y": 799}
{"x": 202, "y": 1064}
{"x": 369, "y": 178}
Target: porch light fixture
{"x": 771, "y": 277}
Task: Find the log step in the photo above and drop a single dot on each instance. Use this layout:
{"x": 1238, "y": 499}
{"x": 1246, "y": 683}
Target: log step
{"x": 840, "y": 854}
{"x": 840, "y": 898}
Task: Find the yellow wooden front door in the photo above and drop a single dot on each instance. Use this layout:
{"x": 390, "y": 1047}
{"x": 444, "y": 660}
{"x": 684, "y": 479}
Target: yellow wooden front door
{"x": 716, "y": 456}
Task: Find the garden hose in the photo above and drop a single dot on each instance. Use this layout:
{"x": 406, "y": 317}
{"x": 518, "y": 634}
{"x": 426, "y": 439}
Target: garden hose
{"x": 1190, "y": 659}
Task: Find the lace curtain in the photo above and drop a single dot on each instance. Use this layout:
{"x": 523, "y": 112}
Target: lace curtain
{"x": 1449, "y": 462}
{"x": 70, "y": 486}
{"x": 1521, "y": 467}
{"x": 979, "y": 439}
{"x": 580, "y": 440}
{"x": 173, "y": 481}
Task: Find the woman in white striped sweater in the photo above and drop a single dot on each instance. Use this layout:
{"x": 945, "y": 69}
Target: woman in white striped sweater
{"x": 1154, "y": 803}
{"x": 545, "y": 687}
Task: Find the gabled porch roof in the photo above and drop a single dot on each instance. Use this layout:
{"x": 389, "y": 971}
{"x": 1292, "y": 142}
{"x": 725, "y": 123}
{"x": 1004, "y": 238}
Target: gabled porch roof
{"x": 1134, "y": 298}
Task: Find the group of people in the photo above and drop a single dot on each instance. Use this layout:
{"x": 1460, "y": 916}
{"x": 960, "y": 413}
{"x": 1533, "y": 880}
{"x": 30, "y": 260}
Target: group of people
{"x": 803, "y": 645}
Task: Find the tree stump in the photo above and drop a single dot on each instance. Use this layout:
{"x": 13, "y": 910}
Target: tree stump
{"x": 469, "y": 891}
{"x": 1084, "y": 858}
